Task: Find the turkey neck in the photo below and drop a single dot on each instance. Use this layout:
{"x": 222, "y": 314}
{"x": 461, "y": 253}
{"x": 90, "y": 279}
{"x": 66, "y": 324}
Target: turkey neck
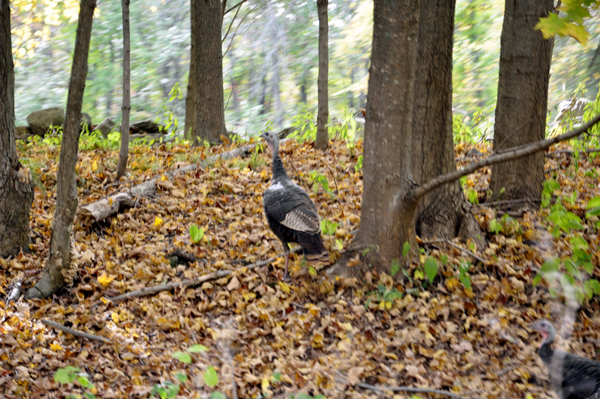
{"x": 546, "y": 352}
{"x": 278, "y": 169}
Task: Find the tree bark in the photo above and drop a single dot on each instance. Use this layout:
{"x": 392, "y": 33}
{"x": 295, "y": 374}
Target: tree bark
{"x": 322, "y": 82}
{"x": 59, "y": 271}
{"x": 443, "y": 213}
{"x": 16, "y": 189}
{"x": 209, "y": 121}
{"x": 387, "y": 218}
{"x": 525, "y": 58}
{"x": 126, "y": 108}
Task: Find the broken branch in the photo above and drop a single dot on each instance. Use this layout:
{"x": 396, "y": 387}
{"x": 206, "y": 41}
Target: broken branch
{"x": 507, "y": 155}
{"x": 194, "y": 281}
{"x": 75, "y": 332}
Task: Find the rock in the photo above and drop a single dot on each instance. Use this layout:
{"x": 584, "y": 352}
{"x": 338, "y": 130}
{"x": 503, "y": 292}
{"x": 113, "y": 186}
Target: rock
{"x": 86, "y": 119}
{"x": 147, "y": 126}
{"x": 105, "y": 127}
{"x": 22, "y": 131}
{"x": 40, "y": 121}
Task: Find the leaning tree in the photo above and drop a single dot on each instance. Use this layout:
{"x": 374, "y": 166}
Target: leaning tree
{"x": 16, "y": 188}
{"x": 59, "y": 271}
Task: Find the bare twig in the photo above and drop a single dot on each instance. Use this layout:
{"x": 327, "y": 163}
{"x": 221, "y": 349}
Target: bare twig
{"x": 466, "y": 251}
{"x": 507, "y": 155}
{"x": 570, "y": 152}
{"x": 445, "y": 241}
{"x": 408, "y": 389}
{"x": 237, "y": 5}
{"x": 194, "y": 281}
{"x": 233, "y": 20}
{"x": 333, "y": 177}
{"x": 75, "y": 332}
{"x": 240, "y": 24}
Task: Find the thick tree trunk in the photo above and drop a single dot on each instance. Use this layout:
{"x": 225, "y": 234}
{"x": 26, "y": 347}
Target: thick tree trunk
{"x": 209, "y": 122}
{"x": 16, "y": 190}
{"x": 525, "y": 58}
{"x": 387, "y": 217}
{"x": 444, "y": 212}
{"x": 126, "y": 108}
{"x": 59, "y": 271}
{"x": 323, "y": 109}
{"x": 190, "y": 100}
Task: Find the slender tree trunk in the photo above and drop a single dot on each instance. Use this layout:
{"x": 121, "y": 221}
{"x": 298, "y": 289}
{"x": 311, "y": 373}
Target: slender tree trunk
{"x": 323, "y": 108}
{"x": 190, "y": 100}
{"x": 109, "y": 92}
{"x": 303, "y": 93}
{"x": 387, "y": 217}
{"x": 59, "y": 271}
{"x": 126, "y": 108}
{"x": 525, "y": 58}
{"x": 276, "y": 93}
{"x": 210, "y": 107}
{"x": 16, "y": 189}
{"x": 444, "y": 212}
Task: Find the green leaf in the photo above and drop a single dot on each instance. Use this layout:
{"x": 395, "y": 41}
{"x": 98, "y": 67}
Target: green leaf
{"x": 551, "y": 265}
{"x": 537, "y": 279}
{"x": 66, "y": 375}
{"x": 579, "y": 243}
{"x": 277, "y": 376}
{"x": 182, "y": 357}
{"x": 197, "y": 348}
{"x": 444, "y": 259}
{"x": 495, "y": 227}
{"x": 89, "y": 395}
{"x": 465, "y": 279}
{"x": 431, "y": 269}
{"x": 181, "y": 377}
{"x": 312, "y": 271}
{"x": 196, "y": 233}
{"x": 395, "y": 267}
{"x": 472, "y": 196}
{"x": 217, "y": 395}
{"x": 405, "y": 249}
{"x": 593, "y": 203}
{"x": 210, "y": 377}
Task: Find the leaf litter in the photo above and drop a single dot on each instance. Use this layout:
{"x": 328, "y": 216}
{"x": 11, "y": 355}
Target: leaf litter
{"x": 267, "y": 337}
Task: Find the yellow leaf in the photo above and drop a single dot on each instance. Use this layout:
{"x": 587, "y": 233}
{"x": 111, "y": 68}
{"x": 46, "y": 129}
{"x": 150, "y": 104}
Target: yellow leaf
{"x": 158, "y": 221}
{"x": 105, "y": 280}
{"x": 94, "y": 166}
{"x": 163, "y": 178}
{"x": 265, "y": 382}
{"x": 56, "y": 347}
{"x": 284, "y": 287}
{"x": 115, "y": 317}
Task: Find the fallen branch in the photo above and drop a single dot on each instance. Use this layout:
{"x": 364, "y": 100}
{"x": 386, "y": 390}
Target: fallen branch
{"x": 409, "y": 389}
{"x": 102, "y": 209}
{"x": 194, "y": 281}
{"x": 75, "y": 332}
{"x": 507, "y": 155}
{"x": 571, "y": 152}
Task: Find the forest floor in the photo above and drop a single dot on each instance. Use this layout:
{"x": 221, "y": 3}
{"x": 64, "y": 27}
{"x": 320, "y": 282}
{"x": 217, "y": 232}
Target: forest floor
{"x": 308, "y": 335}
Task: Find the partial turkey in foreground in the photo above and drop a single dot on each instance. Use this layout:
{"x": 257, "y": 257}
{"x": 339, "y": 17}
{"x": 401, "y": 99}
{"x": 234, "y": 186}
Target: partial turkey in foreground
{"x": 291, "y": 214}
{"x": 571, "y": 376}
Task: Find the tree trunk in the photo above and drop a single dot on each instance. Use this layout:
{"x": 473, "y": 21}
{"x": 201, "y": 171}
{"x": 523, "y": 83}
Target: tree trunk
{"x": 387, "y": 217}
{"x": 522, "y": 99}
{"x": 323, "y": 109}
{"x": 16, "y": 189}
{"x": 126, "y": 108}
{"x": 59, "y": 271}
{"x": 444, "y": 212}
{"x": 190, "y": 100}
{"x": 210, "y": 108}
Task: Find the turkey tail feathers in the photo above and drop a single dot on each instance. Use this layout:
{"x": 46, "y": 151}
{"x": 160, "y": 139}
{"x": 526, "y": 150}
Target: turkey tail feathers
{"x": 314, "y": 250}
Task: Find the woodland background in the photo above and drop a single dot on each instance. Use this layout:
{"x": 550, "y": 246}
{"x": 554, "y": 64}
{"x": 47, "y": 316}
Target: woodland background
{"x": 270, "y": 61}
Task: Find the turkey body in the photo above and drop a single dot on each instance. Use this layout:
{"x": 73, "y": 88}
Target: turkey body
{"x": 290, "y": 212}
{"x": 571, "y": 376}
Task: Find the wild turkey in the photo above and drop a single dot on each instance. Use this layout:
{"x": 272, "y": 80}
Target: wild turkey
{"x": 291, "y": 214}
{"x": 571, "y": 376}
